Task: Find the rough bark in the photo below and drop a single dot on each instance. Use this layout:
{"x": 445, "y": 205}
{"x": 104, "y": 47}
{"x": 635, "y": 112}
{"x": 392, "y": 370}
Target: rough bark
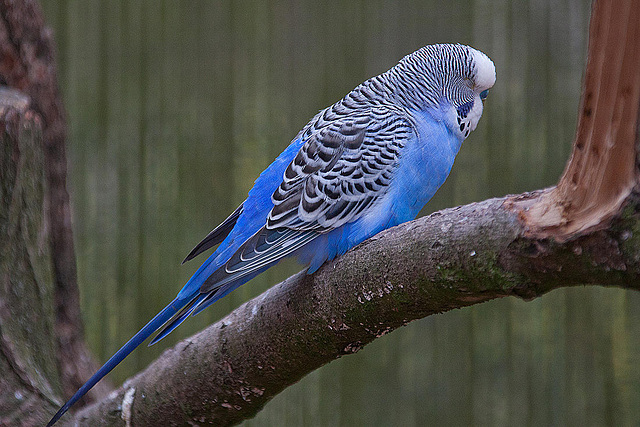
{"x": 27, "y": 63}
{"x": 28, "y": 373}
{"x": 603, "y": 167}
{"x": 451, "y": 259}
{"x": 585, "y": 231}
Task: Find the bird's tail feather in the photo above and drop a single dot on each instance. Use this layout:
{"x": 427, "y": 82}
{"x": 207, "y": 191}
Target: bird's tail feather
{"x": 202, "y": 301}
{"x": 225, "y": 290}
{"x": 154, "y": 324}
{"x": 178, "y": 318}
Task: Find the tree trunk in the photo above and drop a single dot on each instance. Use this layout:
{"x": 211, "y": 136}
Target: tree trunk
{"x": 586, "y": 230}
{"x": 27, "y": 64}
{"x": 27, "y": 363}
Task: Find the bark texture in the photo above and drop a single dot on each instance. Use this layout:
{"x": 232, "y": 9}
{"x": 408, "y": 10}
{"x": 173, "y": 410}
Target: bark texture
{"x": 27, "y": 63}
{"x": 451, "y": 259}
{"x": 28, "y": 372}
{"x": 603, "y": 168}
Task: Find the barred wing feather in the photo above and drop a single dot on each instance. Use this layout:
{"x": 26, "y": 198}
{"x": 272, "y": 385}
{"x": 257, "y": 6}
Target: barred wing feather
{"x": 343, "y": 167}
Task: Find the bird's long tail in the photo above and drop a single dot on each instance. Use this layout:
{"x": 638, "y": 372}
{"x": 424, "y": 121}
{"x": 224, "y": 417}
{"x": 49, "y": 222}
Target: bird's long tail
{"x": 154, "y": 324}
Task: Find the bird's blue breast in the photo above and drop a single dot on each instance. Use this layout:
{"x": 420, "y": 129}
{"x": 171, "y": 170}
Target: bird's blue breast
{"x": 425, "y": 163}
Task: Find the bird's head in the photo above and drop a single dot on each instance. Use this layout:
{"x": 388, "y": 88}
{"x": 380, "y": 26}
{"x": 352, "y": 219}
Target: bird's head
{"x": 452, "y": 79}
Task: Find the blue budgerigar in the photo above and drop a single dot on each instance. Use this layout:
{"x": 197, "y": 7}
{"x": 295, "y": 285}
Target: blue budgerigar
{"x": 370, "y": 161}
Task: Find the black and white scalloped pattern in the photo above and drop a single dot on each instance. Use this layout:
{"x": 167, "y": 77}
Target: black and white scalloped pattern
{"x": 344, "y": 166}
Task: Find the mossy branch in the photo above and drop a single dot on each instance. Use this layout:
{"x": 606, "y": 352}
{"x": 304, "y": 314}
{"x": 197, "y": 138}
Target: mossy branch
{"x": 451, "y": 259}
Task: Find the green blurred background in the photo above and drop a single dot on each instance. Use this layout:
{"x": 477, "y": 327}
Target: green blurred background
{"x": 175, "y": 108}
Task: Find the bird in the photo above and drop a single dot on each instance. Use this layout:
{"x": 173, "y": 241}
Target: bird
{"x": 368, "y": 162}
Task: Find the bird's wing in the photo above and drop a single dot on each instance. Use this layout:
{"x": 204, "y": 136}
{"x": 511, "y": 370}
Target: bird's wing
{"x": 216, "y": 235}
{"x": 343, "y": 167}
{"x": 341, "y": 170}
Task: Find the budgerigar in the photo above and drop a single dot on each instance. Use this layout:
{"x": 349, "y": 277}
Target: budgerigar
{"x": 370, "y": 161}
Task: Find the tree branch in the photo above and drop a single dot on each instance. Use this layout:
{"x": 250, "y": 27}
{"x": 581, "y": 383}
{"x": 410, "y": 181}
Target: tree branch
{"x": 603, "y": 168}
{"x": 451, "y": 259}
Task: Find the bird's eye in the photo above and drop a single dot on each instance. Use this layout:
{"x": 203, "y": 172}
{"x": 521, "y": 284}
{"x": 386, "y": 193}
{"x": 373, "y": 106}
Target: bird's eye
{"x": 484, "y": 94}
